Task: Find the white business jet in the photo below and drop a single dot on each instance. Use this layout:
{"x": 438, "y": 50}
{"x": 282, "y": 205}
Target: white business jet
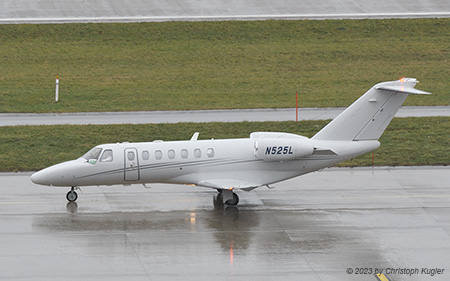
{"x": 236, "y": 164}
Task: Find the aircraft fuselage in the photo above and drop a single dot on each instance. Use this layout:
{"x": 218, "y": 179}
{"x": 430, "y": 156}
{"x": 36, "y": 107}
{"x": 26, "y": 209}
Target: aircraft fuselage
{"x": 197, "y": 162}
{"x": 232, "y": 164}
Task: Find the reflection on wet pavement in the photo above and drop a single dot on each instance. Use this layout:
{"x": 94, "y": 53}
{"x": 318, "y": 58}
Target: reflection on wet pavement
{"x": 314, "y": 227}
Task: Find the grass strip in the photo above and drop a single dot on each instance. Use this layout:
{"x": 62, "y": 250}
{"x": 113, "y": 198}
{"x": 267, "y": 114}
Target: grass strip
{"x": 211, "y": 65}
{"x": 407, "y": 141}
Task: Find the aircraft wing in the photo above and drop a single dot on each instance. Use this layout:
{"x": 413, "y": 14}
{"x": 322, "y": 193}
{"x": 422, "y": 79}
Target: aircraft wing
{"x": 229, "y": 183}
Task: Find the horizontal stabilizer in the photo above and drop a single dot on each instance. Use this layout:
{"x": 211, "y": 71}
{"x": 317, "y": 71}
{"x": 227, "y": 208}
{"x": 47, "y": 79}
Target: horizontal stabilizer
{"x": 401, "y": 89}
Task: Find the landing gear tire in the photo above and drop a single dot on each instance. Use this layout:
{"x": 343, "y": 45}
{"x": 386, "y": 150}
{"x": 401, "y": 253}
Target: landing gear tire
{"x": 234, "y": 201}
{"x": 71, "y": 196}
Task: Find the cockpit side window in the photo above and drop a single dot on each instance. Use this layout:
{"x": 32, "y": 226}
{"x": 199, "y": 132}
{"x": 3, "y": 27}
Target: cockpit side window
{"x": 107, "y": 156}
{"x": 93, "y": 153}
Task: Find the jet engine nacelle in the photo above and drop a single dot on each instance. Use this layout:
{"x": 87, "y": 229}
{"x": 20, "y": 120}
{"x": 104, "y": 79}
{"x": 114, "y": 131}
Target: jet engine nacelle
{"x": 281, "y": 149}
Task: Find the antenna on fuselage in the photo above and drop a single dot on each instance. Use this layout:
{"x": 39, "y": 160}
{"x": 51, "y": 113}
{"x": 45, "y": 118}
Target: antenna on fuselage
{"x": 195, "y": 136}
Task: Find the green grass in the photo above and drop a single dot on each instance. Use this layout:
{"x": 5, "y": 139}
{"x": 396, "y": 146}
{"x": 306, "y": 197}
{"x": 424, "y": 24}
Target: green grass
{"x": 407, "y": 141}
{"x": 205, "y": 65}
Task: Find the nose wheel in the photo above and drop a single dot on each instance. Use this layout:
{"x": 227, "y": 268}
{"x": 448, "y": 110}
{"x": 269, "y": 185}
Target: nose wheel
{"x": 72, "y": 196}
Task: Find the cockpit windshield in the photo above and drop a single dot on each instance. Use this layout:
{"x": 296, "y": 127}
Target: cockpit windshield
{"x": 93, "y": 153}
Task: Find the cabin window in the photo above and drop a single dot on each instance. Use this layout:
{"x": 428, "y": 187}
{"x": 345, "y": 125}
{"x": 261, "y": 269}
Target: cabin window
{"x": 130, "y": 155}
{"x": 197, "y": 153}
{"x": 158, "y": 154}
{"x": 210, "y": 152}
{"x": 145, "y": 155}
{"x": 184, "y": 153}
{"x": 107, "y": 156}
{"x": 171, "y": 154}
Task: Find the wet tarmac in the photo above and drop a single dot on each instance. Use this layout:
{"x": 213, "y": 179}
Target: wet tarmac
{"x": 327, "y": 225}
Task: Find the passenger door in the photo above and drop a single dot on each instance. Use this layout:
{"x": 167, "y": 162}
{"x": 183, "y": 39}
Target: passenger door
{"x": 131, "y": 169}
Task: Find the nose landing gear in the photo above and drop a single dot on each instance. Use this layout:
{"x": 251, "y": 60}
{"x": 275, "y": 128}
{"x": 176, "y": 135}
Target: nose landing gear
{"x": 72, "y": 196}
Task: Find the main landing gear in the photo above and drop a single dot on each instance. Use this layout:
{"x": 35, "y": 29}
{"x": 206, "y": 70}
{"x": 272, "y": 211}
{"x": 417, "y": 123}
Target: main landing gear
{"x": 228, "y": 197}
{"x": 72, "y": 196}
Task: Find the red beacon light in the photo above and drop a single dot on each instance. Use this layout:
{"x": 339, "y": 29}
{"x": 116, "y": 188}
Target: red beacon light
{"x": 402, "y": 79}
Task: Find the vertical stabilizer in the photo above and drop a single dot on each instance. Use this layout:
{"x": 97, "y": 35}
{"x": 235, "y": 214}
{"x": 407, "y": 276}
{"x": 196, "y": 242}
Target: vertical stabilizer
{"x": 368, "y": 117}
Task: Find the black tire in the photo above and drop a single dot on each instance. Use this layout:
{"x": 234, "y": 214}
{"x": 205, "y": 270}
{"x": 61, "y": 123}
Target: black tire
{"x": 71, "y": 196}
{"x": 234, "y": 201}
{"x": 217, "y": 201}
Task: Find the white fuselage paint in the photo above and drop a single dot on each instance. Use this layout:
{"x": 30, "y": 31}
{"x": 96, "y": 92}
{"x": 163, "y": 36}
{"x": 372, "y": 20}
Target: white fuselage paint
{"x": 230, "y": 158}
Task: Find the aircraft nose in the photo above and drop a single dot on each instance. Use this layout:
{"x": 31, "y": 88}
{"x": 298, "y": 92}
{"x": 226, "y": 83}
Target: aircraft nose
{"x": 41, "y": 177}
{"x": 61, "y": 174}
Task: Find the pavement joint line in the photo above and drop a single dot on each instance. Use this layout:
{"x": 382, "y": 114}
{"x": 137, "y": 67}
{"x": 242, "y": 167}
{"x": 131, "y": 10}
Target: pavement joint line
{"x": 197, "y": 116}
{"x": 125, "y": 19}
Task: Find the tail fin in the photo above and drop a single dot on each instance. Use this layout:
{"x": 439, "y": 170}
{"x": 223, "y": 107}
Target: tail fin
{"x": 368, "y": 117}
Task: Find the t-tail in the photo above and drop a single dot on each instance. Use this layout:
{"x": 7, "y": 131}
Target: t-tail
{"x": 369, "y": 116}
